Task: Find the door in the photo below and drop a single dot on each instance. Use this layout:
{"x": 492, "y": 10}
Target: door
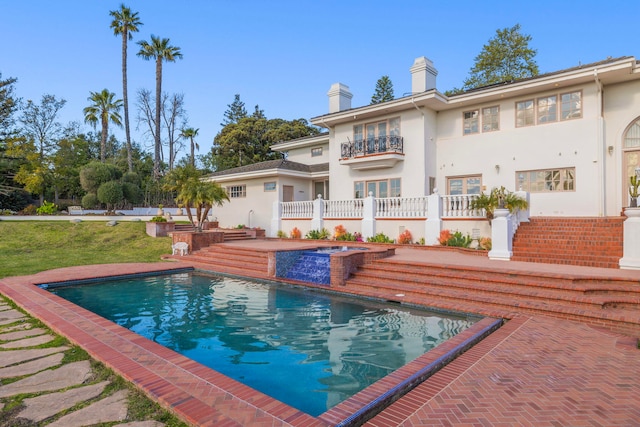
{"x": 287, "y": 193}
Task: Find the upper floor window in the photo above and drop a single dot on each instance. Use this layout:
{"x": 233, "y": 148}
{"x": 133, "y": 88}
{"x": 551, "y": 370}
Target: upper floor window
{"x": 270, "y": 186}
{"x": 490, "y": 119}
{"x": 571, "y": 105}
{"x": 471, "y": 120}
{"x": 236, "y": 191}
{"x": 525, "y": 114}
{"x": 547, "y": 109}
{"x": 549, "y": 180}
{"x": 316, "y": 152}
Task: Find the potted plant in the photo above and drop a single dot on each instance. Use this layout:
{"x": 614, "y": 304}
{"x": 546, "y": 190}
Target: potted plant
{"x": 179, "y": 210}
{"x": 160, "y": 211}
{"x": 634, "y": 183}
{"x": 498, "y": 198}
{"x": 158, "y": 226}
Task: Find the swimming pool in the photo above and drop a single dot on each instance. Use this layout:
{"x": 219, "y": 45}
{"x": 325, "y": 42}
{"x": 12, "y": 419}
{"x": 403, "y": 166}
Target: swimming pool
{"x": 310, "y": 350}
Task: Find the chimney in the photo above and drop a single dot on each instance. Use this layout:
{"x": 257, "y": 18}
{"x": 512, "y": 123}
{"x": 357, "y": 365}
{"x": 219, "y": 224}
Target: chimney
{"x": 423, "y": 75}
{"x": 339, "y": 98}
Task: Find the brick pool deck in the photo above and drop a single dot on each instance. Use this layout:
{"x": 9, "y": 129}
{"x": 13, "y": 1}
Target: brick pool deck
{"x": 533, "y": 371}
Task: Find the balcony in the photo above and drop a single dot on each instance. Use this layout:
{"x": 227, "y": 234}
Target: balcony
{"x": 372, "y": 153}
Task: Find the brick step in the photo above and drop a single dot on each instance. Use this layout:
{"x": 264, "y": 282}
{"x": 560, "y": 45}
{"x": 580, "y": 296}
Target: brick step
{"x": 410, "y": 282}
{"x": 257, "y": 273}
{"x": 613, "y": 263}
{"x": 621, "y": 321}
{"x": 253, "y": 263}
{"x": 233, "y": 253}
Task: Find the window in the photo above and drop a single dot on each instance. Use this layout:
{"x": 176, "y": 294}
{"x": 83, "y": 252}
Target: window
{"x": 236, "y": 191}
{"x": 316, "y": 152}
{"x": 632, "y": 135}
{"x": 490, "y": 119}
{"x": 470, "y": 122}
{"x": 525, "y": 114}
{"x": 571, "y": 105}
{"x": 544, "y": 181}
{"x": 381, "y": 189}
{"x": 471, "y": 184}
{"x": 270, "y": 186}
{"x": 547, "y": 109}
{"x": 378, "y": 137}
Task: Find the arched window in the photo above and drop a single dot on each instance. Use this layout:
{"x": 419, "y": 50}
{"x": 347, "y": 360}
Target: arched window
{"x": 632, "y": 136}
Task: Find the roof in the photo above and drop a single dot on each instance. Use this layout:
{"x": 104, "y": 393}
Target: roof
{"x": 280, "y": 164}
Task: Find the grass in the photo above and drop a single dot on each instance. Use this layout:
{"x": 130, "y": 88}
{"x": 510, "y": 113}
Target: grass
{"x": 28, "y": 247}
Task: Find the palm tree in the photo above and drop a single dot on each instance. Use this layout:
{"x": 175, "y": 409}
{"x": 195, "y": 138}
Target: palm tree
{"x": 191, "y": 191}
{"x": 124, "y": 23}
{"x": 160, "y": 50}
{"x": 191, "y": 133}
{"x": 104, "y": 109}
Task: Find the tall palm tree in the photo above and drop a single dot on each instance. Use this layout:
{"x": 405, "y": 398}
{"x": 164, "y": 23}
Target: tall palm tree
{"x": 104, "y": 108}
{"x": 124, "y": 23}
{"x": 191, "y": 133}
{"x": 160, "y": 50}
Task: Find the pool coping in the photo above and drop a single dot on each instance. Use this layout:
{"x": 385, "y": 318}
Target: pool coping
{"x": 198, "y": 394}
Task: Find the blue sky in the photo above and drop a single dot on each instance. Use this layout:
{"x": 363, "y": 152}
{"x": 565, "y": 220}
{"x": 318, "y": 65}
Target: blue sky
{"x": 284, "y": 55}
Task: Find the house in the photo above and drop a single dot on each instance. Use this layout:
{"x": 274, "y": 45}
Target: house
{"x": 569, "y": 139}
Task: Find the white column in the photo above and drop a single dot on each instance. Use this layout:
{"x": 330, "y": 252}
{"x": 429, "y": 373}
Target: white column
{"x": 433, "y": 224}
{"x": 317, "y": 221}
{"x": 523, "y": 215}
{"x": 631, "y": 240}
{"x": 369, "y": 217}
{"x": 276, "y": 219}
{"x": 501, "y": 235}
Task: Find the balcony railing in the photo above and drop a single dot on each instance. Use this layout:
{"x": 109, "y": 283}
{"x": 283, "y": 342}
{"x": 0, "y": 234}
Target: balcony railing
{"x": 367, "y": 147}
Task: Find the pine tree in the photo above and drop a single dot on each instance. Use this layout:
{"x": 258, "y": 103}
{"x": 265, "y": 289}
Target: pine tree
{"x": 235, "y": 112}
{"x": 384, "y": 91}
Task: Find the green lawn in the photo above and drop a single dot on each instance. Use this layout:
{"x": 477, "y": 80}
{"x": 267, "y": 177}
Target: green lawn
{"x": 28, "y": 247}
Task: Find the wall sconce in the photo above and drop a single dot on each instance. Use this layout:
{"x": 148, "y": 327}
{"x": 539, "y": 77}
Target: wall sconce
{"x": 610, "y": 150}
{"x": 497, "y": 168}
{"x": 521, "y": 180}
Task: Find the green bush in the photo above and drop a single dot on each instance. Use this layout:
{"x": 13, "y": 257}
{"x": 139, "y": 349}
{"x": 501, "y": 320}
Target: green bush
{"x": 380, "y": 238}
{"x": 14, "y": 200}
{"x": 282, "y": 234}
{"x": 47, "y": 208}
{"x": 158, "y": 219}
{"x": 110, "y": 193}
{"x": 132, "y": 193}
{"x": 90, "y": 201}
{"x": 459, "y": 240}
{"x": 318, "y": 234}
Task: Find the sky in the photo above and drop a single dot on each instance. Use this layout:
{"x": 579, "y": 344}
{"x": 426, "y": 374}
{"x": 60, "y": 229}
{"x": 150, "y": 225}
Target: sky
{"x": 285, "y": 55}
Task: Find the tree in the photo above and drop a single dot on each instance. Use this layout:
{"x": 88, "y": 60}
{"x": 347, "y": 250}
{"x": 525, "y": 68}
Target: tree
{"x": 172, "y": 112}
{"x": 41, "y": 130}
{"x": 191, "y": 133}
{"x": 384, "y": 91}
{"x": 104, "y": 108}
{"x": 191, "y": 191}
{"x": 507, "y": 57}
{"x": 235, "y": 112}
{"x": 8, "y": 104}
{"x": 160, "y": 50}
{"x": 124, "y": 23}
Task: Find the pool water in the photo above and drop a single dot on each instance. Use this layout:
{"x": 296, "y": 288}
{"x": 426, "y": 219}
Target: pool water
{"x": 308, "y": 349}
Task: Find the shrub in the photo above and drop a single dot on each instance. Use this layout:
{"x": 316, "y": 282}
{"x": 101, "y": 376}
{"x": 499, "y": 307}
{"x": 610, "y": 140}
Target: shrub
{"x": 339, "y": 232}
{"x": 158, "y": 219}
{"x": 317, "y": 234}
{"x": 132, "y": 193}
{"x": 444, "y": 237}
{"x": 295, "y": 233}
{"x": 14, "y": 200}
{"x": 110, "y": 193}
{"x": 29, "y": 210}
{"x": 456, "y": 239}
{"x": 485, "y": 243}
{"x": 281, "y": 234}
{"x": 405, "y": 238}
{"x": 90, "y": 201}
{"x": 380, "y": 238}
{"x": 421, "y": 241}
{"x": 47, "y": 208}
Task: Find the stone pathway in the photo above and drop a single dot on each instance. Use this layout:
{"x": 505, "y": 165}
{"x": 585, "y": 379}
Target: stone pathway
{"x": 56, "y": 387}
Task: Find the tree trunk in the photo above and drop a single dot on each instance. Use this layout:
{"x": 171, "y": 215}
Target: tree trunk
{"x": 158, "y": 146}
{"x": 125, "y": 99}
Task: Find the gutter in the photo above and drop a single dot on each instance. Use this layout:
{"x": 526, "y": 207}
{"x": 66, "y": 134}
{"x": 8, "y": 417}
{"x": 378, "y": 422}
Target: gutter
{"x": 601, "y": 149}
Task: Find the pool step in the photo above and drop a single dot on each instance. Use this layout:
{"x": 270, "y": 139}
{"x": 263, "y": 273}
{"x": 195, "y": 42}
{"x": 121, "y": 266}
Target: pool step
{"x": 614, "y": 304}
{"x": 232, "y": 260}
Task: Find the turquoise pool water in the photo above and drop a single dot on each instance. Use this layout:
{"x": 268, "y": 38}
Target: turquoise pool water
{"x": 308, "y": 349}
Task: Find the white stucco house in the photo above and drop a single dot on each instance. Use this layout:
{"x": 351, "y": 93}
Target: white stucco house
{"x": 569, "y": 139}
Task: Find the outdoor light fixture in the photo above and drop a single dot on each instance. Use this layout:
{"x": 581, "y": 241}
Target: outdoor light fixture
{"x": 610, "y": 150}
{"x": 638, "y": 171}
{"x": 497, "y": 168}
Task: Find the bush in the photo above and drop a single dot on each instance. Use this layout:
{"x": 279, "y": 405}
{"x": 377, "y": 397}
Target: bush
{"x": 281, "y": 234}
{"x": 405, "y": 238}
{"x": 379, "y": 238}
{"x": 456, "y": 239}
{"x": 29, "y": 210}
{"x": 158, "y": 219}
{"x": 444, "y": 237}
{"x": 132, "y": 193}
{"x": 110, "y": 193}
{"x": 90, "y": 201}
{"x": 295, "y": 233}
{"x": 317, "y": 234}
{"x": 47, "y": 208}
{"x": 15, "y": 200}
{"x": 485, "y": 243}
{"x": 339, "y": 232}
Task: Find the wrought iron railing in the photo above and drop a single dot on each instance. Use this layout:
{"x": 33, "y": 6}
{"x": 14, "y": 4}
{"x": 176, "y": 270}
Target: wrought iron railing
{"x": 366, "y": 147}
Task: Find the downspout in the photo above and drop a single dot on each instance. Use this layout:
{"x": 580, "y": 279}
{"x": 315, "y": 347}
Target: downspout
{"x": 601, "y": 149}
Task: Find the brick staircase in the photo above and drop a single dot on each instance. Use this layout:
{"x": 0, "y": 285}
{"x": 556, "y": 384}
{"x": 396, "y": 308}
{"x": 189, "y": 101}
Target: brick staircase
{"x": 610, "y": 303}
{"x": 593, "y": 242}
{"x": 232, "y": 260}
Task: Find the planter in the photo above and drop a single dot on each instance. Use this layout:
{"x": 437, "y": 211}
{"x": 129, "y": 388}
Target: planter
{"x": 210, "y": 225}
{"x": 160, "y": 229}
{"x": 634, "y": 202}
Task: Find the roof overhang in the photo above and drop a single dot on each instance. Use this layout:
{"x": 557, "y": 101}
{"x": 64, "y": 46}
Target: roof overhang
{"x": 267, "y": 173}
{"x": 301, "y": 142}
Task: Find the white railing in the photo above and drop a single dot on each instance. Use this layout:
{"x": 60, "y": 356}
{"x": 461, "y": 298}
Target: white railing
{"x": 401, "y": 207}
{"x": 343, "y": 208}
{"x": 458, "y": 206}
{"x": 297, "y": 209}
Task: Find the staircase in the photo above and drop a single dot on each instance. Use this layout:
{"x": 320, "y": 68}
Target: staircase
{"x": 610, "y": 303}
{"x": 232, "y": 260}
{"x": 592, "y": 242}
